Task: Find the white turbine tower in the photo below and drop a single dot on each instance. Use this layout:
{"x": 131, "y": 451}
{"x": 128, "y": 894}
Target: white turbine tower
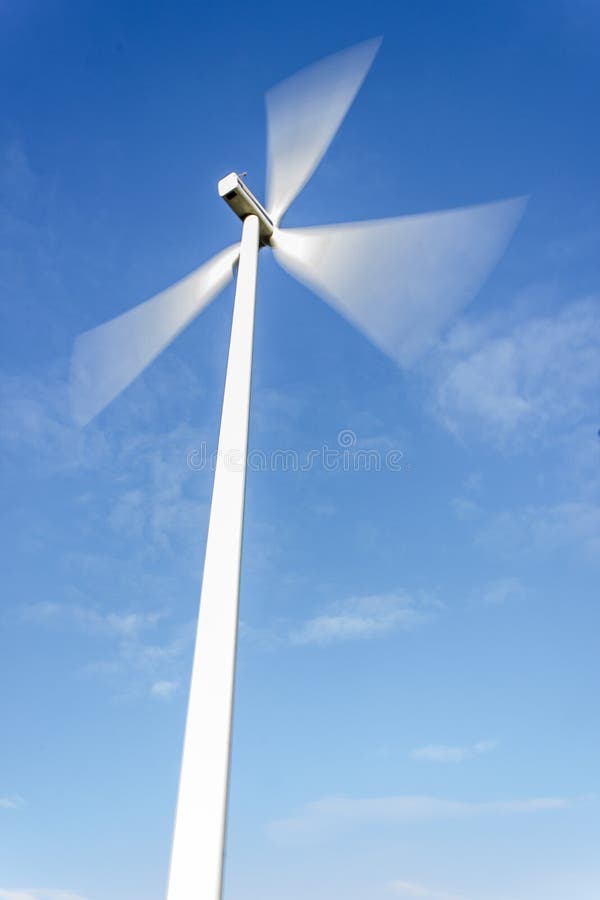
{"x": 400, "y": 281}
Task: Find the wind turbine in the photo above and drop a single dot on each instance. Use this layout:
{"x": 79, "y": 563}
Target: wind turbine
{"x": 399, "y": 280}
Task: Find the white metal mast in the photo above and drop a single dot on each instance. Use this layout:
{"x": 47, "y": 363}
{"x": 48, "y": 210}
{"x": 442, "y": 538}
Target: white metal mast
{"x": 196, "y": 870}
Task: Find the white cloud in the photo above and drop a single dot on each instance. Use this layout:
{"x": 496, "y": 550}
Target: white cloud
{"x": 38, "y": 894}
{"x": 138, "y": 666}
{"x": 360, "y": 618}
{"x": 412, "y": 889}
{"x": 331, "y": 815}
{"x": 441, "y": 753}
{"x": 141, "y": 668}
{"x": 357, "y": 618}
{"x": 535, "y": 376}
{"x": 92, "y": 620}
{"x": 163, "y": 689}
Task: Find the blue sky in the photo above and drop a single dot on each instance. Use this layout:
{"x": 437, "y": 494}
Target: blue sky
{"x": 416, "y": 712}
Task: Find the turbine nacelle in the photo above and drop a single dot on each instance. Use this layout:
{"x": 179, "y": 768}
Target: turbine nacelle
{"x": 243, "y": 202}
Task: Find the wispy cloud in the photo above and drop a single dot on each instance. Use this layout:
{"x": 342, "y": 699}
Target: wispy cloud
{"x": 155, "y": 496}
{"x": 144, "y": 668}
{"x": 527, "y": 379}
{"x": 32, "y": 248}
{"x": 546, "y": 529}
{"x": 442, "y": 753}
{"x": 413, "y": 889}
{"x": 361, "y": 618}
{"x": 465, "y": 508}
{"x": 163, "y": 690}
{"x": 137, "y": 664}
{"x": 35, "y": 420}
{"x": 332, "y": 815}
{"x": 502, "y": 590}
{"x": 11, "y": 802}
{"x": 93, "y": 620}
{"x": 162, "y": 501}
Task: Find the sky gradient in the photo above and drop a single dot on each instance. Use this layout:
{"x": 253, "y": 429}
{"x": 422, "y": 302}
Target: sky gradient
{"x": 416, "y": 707}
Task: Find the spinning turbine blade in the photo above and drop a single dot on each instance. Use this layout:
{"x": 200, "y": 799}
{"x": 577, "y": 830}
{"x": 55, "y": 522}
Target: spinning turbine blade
{"x": 108, "y": 358}
{"x": 400, "y": 281}
{"x": 303, "y": 114}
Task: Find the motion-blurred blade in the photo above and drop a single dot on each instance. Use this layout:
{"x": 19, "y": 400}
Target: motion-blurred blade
{"x": 303, "y": 114}
{"x": 108, "y": 358}
{"x": 400, "y": 281}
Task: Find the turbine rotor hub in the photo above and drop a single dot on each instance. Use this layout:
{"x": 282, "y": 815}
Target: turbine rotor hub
{"x": 242, "y": 201}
